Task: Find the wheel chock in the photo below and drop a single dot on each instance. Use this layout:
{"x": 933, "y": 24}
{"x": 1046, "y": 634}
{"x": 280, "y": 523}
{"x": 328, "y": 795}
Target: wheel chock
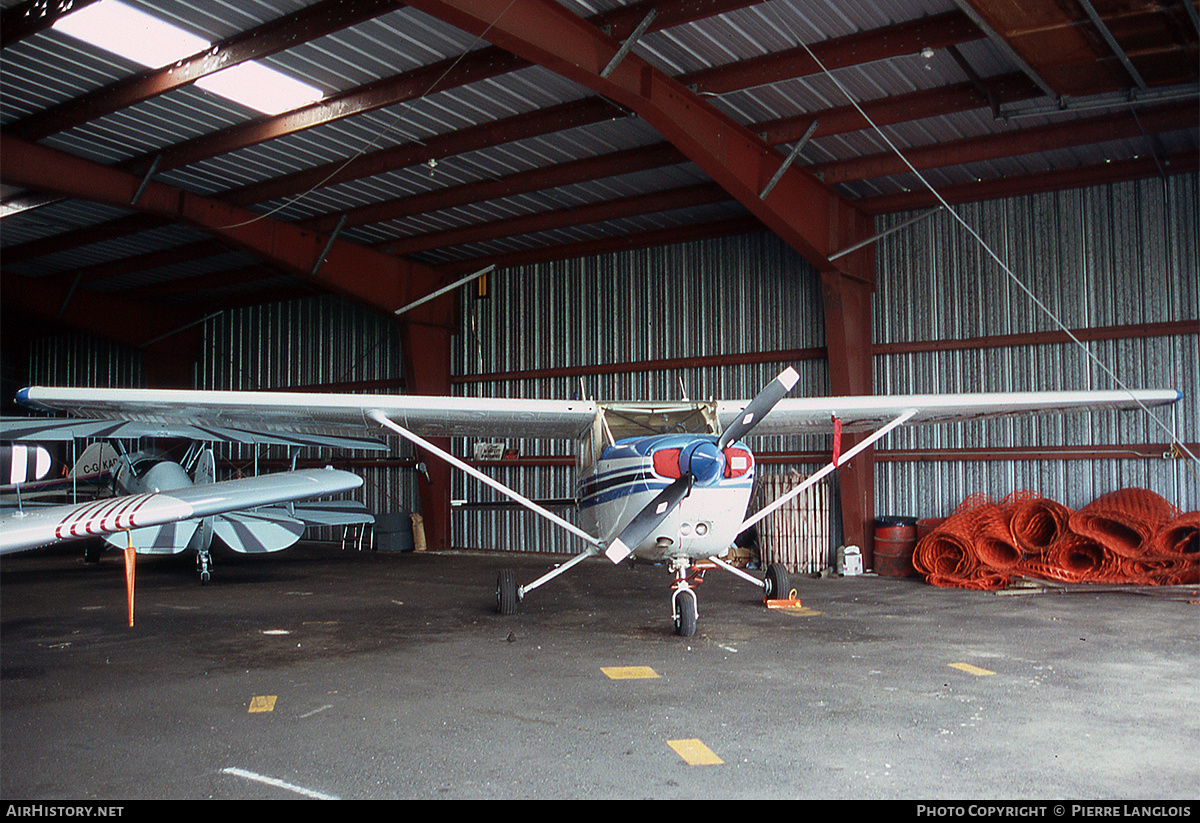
{"x": 790, "y": 603}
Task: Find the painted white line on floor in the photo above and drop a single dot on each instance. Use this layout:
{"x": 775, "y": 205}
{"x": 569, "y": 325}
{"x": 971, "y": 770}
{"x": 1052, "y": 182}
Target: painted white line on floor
{"x": 271, "y": 781}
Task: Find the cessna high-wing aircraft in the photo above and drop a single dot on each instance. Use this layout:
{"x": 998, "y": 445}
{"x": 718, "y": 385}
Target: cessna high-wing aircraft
{"x": 660, "y": 481}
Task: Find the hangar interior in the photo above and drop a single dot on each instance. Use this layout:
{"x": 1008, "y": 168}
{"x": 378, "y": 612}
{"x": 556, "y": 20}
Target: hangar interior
{"x": 656, "y": 199}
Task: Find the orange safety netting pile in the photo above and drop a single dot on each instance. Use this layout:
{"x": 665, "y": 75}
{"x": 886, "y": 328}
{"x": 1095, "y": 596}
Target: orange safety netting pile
{"x": 1130, "y": 536}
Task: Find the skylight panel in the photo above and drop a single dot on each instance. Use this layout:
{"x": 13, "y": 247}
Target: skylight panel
{"x": 120, "y": 29}
{"x": 130, "y": 33}
{"x": 260, "y": 87}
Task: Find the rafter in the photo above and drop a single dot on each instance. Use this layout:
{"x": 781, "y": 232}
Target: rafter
{"x": 889, "y": 41}
{"x": 375, "y": 279}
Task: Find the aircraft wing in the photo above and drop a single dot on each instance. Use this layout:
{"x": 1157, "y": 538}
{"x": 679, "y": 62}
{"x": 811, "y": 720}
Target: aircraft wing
{"x": 43, "y": 525}
{"x": 349, "y": 415}
{"x": 307, "y": 414}
{"x": 815, "y": 415}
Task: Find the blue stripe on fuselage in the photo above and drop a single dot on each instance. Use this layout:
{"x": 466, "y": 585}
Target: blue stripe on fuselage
{"x": 632, "y": 471}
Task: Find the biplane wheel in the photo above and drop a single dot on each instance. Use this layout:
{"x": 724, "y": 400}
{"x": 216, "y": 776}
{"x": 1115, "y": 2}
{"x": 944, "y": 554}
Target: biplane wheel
{"x": 685, "y": 615}
{"x": 506, "y": 592}
{"x": 776, "y": 583}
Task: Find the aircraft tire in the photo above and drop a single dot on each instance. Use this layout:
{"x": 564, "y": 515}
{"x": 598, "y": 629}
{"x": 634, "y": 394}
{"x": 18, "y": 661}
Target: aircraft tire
{"x": 685, "y": 616}
{"x": 777, "y": 582}
{"x": 506, "y": 592}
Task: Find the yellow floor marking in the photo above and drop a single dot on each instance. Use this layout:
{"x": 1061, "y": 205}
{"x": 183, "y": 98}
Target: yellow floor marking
{"x": 799, "y": 611}
{"x": 628, "y": 672}
{"x": 262, "y": 703}
{"x": 695, "y": 753}
{"x": 969, "y": 669}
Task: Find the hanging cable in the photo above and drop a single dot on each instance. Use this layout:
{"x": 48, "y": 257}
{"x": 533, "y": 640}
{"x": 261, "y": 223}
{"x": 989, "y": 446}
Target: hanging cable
{"x": 991, "y": 253}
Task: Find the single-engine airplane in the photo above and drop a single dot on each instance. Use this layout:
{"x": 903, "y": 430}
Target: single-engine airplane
{"x": 678, "y": 494}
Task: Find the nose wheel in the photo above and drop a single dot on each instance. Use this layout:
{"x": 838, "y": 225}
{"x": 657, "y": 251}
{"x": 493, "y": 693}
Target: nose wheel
{"x": 684, "y": 604}
{"x": 685, "y": 612}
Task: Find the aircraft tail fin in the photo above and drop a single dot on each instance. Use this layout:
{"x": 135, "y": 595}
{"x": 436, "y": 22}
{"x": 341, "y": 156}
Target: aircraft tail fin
{"x": 206, "y": 469}
{"x": 96, "y": 461}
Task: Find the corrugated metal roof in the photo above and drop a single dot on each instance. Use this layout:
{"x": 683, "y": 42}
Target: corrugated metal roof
{"x": 418, "y": 108}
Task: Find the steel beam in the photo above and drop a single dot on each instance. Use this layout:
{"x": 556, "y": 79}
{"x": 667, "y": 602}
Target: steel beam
{"x": 1095, "y": 175}
{"x": 1123, "y": 125}
{"x": 376, "y": 279}
{"x": 807, "y": 215}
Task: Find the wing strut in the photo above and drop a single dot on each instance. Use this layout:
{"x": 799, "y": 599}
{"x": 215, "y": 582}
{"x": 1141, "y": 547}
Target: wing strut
{"x": 833, "y": 464}
{"x": 382, "y": 419}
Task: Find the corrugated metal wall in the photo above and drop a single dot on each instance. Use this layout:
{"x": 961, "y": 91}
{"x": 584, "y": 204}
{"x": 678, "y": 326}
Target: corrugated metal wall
{"x": 76, "y": 360}
{"x": 315, "y": 343}
{"x": 1110, "y": 256}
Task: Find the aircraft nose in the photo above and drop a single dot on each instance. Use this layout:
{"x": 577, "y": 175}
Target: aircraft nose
{"x": 704, "y": 460}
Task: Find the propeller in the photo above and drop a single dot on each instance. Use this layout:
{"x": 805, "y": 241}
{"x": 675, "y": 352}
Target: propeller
{"x": 702, "y": 456}
{"x": 647, "y": 520}
{"x": 757, "y": 408}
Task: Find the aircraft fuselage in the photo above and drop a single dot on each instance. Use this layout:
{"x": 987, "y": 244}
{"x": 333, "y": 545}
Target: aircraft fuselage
{"x": 630, "y": 473}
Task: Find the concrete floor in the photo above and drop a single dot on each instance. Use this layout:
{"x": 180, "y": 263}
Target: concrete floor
{"x": 322, "y": 673}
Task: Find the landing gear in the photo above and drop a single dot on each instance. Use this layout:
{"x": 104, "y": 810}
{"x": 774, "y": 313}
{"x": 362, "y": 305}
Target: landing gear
{"x": 204, "y": 566}
{"x": 507, "y": 594}
{"x": 685, "y": 612}
{"x": 683, "y": 598}
{"x": 684, "y": 603}
{"x": 776, "y": 583}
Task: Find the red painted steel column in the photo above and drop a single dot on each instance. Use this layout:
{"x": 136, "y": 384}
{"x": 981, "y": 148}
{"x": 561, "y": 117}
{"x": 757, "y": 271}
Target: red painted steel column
{"x": 848, "y": 337}
{"x": 427, "y": 369}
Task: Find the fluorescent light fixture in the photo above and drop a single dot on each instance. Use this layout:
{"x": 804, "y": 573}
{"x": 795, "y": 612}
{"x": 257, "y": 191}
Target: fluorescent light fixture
{"x": 145, "y": 39}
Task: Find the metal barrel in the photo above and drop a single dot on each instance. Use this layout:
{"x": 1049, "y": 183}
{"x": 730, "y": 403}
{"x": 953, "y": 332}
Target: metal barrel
{"x": 895, "y": 539}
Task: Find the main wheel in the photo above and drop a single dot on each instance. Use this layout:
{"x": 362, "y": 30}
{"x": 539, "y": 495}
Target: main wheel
{"x": 685, "y": 615}
{"x": 776, "y": 583}
{"x": 506, "y": 592}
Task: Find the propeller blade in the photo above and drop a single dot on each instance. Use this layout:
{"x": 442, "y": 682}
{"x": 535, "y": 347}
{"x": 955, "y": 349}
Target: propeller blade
{"x": 757, "y": 408}
{"x": 647, "y": 519}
